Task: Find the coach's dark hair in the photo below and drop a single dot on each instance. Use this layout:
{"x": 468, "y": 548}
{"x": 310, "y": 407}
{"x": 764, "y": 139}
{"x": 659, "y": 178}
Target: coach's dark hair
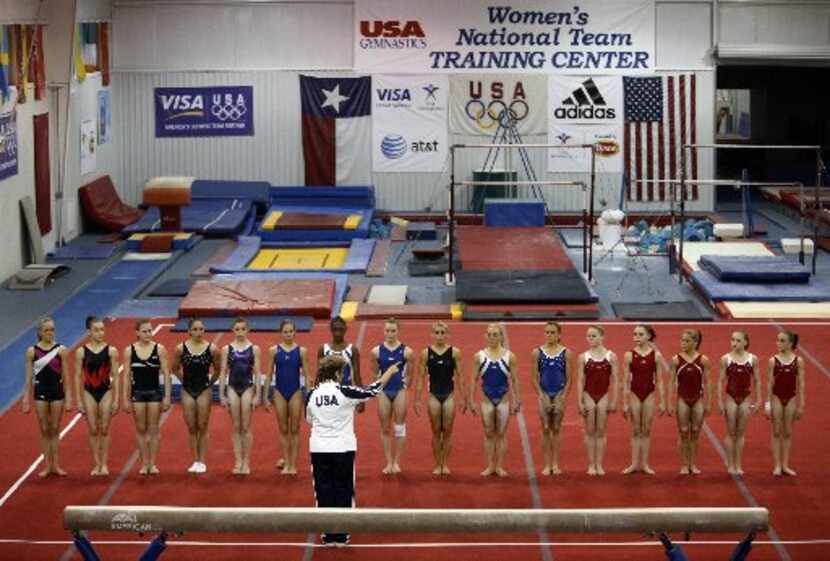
{"x": 329, "y": 368}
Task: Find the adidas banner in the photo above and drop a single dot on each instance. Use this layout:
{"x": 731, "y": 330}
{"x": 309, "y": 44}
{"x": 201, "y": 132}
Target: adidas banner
{"x": 479, "y": 103}
{"x": 585, "y": 110}
{"x": 540, "y": 36}
{"x": 409, "y": 123}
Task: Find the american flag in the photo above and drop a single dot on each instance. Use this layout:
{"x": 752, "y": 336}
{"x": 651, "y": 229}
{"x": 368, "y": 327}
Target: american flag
{"x": 659, "y": 118}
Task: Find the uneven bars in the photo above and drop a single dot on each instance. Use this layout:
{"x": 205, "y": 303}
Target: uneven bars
{"x": 724, "y": 182}
{"x": 559, "y": 183}
{"x": 755, "y": 146}
{"x": 152, "y": 519}
{"x": 566, "y": 146}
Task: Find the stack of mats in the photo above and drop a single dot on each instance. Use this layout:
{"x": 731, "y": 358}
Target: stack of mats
{"x": 755, "y": 283}
{"x": 318, "y": 214}
{"x": 218, "y": 208}
{"x": 292, "y": 297}
{"x": 526, "y": 269}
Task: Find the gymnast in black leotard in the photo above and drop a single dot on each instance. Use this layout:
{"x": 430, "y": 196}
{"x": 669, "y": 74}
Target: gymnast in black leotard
{"x": 96, "y": 365}
{"x": 241, "y": 371}
{"x": 144, "y": 362}
{"x": 192, "y": 361}
{"x": 46, "y": 361}
{"x": 441, "y": 363}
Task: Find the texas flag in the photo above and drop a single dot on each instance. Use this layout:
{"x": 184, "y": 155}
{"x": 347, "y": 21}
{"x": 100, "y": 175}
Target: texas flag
{"x": 337, "y": 130}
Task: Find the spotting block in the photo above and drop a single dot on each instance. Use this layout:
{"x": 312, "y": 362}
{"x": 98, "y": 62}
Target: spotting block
{"x": 513, "y": 213}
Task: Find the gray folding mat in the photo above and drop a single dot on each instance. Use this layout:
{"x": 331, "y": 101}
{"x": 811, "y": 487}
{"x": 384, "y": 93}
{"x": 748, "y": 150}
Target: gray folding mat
{"x": 548, "y": 286}
{"x": 36, "y": 277}
{"x": 661, "y": 311}
{"x": 172, "y": 288}
{"x": 387, "y": 294}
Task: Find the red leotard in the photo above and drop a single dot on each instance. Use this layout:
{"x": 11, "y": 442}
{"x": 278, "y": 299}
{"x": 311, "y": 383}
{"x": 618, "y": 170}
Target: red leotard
{"x": 785, "y": 376}
{"x": 689, "y": 379}
{"x": 643, "y": 370}
{"x": 739, "y": 378}
{"x": 597, "y": 376}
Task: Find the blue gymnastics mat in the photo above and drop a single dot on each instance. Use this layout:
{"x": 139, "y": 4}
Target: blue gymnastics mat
{"x": 84, "y": 251}
{"x": 99, "y": 297}
{"x": 147, "y": 308}
{"x": 340, "y": 197}
{"x": 360, "y": 253}
{"x": 209, "y": 217}
{"x": 514, "y": 213}
{"x": 362, "y": 230}
{"x": 772, "y": 269}
{"x": 258, "y": 192}
{"x": 717, "y": 291}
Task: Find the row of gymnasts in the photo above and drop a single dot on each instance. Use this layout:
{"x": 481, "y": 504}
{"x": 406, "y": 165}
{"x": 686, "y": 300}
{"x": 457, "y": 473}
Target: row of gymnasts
{"x": 199, "y": 364}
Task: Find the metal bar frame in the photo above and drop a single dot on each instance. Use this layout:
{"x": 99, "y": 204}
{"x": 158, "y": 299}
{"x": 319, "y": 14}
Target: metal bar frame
{"x": 816, "y": 217}
{"x": 587, "y": 221}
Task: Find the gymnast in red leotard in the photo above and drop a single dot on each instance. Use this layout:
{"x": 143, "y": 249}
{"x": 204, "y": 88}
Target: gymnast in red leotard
{"x": 690, "y": 379}
{"x": 596, "y": 378}
{"x": 739, "y": 370}
{"x": 786, "y": 381}
{"x": 641, "y": 374}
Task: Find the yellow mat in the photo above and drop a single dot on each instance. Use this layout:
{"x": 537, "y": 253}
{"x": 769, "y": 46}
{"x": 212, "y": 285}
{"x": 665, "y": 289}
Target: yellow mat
{"x": 779, "y": 310}
{"x": 176, "y": 236}
{"x": 321, "y": 258}
{"x": 693, "y": 250}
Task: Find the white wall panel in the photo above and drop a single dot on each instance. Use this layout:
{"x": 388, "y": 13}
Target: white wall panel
{"x": 683, "y": 35}
{"x": 775, "y": 23}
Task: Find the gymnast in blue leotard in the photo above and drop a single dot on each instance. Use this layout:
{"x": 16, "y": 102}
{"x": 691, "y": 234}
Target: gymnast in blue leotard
{"x": 392, "y": 401}
{"x": 551, "y": 364}
{"x": 286, "y": 365}
{"x": 496, "y": 366}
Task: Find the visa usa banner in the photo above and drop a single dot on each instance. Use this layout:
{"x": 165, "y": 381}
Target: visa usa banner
{"x": 210, "y": 111}
{"x": 585, "y": 110}
{"x": 8, "y": 144}
{"x": 541, "y": 36}
{"x": 409, "y": 123}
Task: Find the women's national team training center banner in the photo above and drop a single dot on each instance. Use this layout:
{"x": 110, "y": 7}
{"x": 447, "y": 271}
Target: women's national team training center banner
{"x": 553, "y": 36}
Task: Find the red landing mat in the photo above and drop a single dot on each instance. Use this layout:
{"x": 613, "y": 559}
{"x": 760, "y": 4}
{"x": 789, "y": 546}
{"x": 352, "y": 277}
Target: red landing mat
{"x": 483, "y": 248}
{"x": 229, "y": 298}
{"x": 310, "y": 220}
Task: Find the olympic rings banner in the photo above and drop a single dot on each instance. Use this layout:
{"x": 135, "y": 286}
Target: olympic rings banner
{"x": 214, "y": 111}
{"x": 409, "y": 123}
{"x": 479, "y": 103}
{"x": 541, "y": 36}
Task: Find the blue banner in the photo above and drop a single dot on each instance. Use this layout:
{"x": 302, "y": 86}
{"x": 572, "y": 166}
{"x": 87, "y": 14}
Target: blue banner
{"x": 8, "y": 144}
{"x": 216, "y": 111}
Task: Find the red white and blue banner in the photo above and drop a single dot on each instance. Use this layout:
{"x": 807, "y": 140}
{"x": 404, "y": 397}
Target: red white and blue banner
{"x": 213, "y": 111}
{"x": 409, "y": 123}
{"x": 541, "y": 36}
{"x": 8, "y": 144}
{"x": 336, "y": 125}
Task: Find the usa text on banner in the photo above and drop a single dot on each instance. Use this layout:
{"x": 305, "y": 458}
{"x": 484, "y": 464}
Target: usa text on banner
{"x": 477, "y": 102}
{"x": 585, "y": 110}
{"x": 409, "y": 123}
{"x": 541, "y": 36}
{"x": 213, "y": 111}
{"x": 660, "y": 116}
{"x": 336, "y": 128}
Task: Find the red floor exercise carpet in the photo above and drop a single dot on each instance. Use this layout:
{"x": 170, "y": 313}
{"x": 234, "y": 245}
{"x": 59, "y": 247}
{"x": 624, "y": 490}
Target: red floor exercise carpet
{"x": 507, "y": 265}
{"x": 797, "y": 505}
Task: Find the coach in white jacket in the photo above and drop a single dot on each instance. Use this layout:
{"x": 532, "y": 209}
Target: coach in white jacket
{"x": 330, "y": 411}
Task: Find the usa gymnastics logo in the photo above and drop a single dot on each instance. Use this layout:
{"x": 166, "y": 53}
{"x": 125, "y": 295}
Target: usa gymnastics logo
{"x": 392, "y": 34}
{"x": 393, "y": 146}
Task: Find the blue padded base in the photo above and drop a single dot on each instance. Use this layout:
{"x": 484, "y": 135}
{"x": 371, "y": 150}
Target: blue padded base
{"x": 339, "y": 197}
{"x": 84, "y": 251}
{"x": 255, "y": 323}
{"x": 360, "y": 253}
{"x": 514, "y": 213}
{"x": 362, "y": 230}
{"x": 210, "y": 217}
{"x": 178, "y": 245}
{"x": 773, "y": 269}
{"x": 717, "y": 291}
{"x": 255, "y": 191}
